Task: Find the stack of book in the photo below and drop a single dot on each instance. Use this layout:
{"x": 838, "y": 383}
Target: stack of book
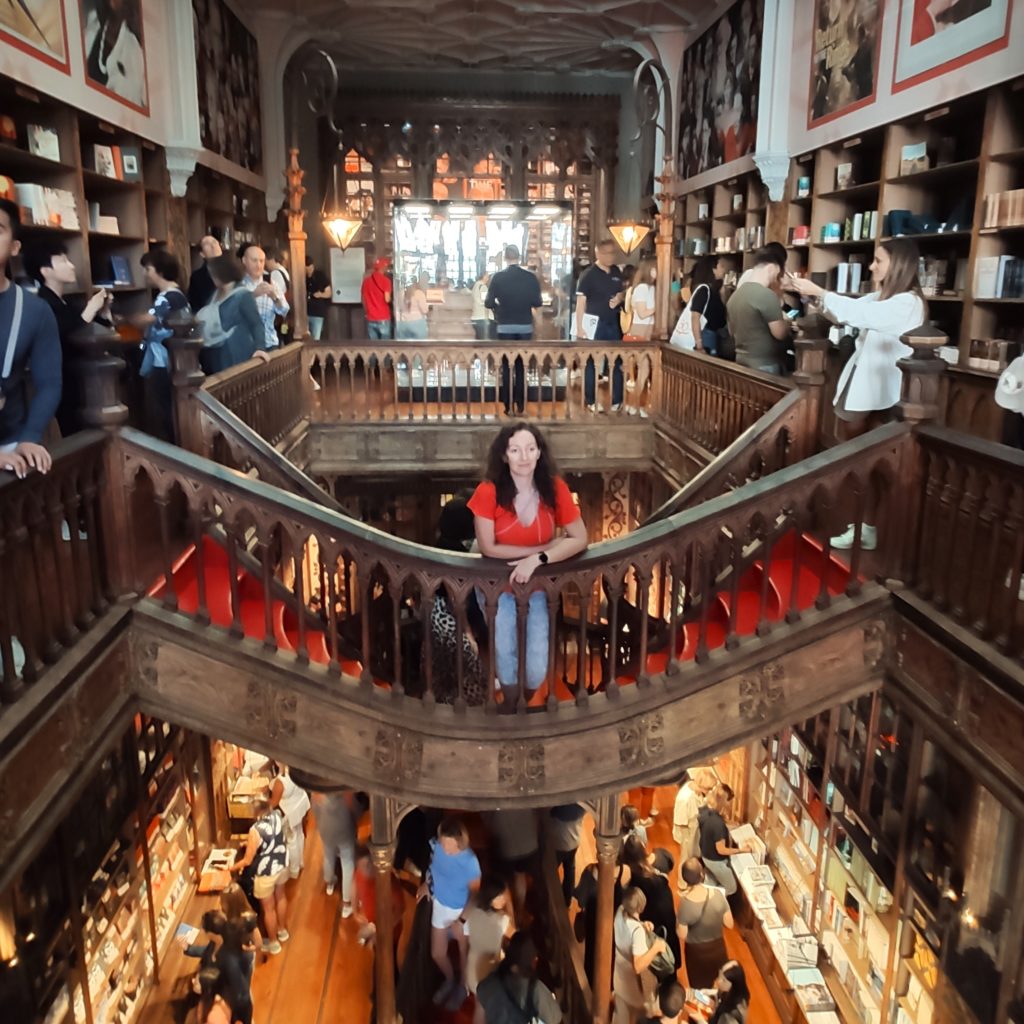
{"x": 999, "y": 277}
{"x": 1003, "y": 209}
{"x": 44, "y": 206}
{"x": 122, "y": 163}
{"x": 850, "y": 278}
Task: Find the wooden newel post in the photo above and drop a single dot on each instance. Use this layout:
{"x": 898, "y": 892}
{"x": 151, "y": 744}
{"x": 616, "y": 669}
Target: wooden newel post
{"x": 297, "y": 244}
{"x": 187, "y": 377}
{"x": 663, "y": 249}
{"x": 98, "y": 373}
{"x": 609, "y": 843}
{"x": 383, "y": 832}
{"x": 809, "y": 376}
{"x": 922, "y": 374}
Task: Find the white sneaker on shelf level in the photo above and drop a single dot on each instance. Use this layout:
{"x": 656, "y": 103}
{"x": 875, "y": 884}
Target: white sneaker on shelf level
{"x": 868, "y": 538}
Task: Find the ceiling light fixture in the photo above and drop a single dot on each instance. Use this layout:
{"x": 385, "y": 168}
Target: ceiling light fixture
{"x": 628, "y": 234}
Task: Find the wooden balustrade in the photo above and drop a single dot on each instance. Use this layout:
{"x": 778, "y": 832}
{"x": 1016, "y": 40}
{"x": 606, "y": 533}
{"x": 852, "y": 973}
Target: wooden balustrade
{"x": 270, "y": 396}
{"x": 361, "y": 602}
{"x": 713, "y": 401}
{"x": 969, "y": 548}
{"x": 408, "y": 381}
{"x": 54, "y": 565}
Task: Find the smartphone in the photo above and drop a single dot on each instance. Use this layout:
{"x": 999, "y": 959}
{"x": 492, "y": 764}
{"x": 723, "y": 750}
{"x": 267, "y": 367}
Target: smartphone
{"x": 792, "y": 313}
{"x": 704, "y": 997}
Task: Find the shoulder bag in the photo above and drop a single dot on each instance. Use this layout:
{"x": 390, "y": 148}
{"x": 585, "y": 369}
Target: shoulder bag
{"x": 664, "y": 964}
{"x": 528, "y": 1012}
{"x": 682, "y": 335}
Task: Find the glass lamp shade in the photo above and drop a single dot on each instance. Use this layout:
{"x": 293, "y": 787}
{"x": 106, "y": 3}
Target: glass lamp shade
{"x": 342, "y": 227}
{"x": 629, "y": 234}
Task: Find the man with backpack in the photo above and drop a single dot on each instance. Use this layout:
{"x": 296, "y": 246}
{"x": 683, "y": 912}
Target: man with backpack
{"x": 512, "y": 994}
{"x": 277, "y": 274}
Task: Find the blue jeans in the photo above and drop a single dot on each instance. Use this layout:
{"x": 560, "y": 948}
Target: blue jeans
{"x": 316, "y": 327}
{"x": 506, "y": 640}
{"x": 709, "y": 339}
{"x": 378, "y": 330}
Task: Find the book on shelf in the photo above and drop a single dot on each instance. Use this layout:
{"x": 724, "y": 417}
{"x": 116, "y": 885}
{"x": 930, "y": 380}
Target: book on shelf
{"x": 771, "y": 919}
{"x": 761, "y": 900}
{"x": 737, "y": 202}
{"x": 745, "y": 834}
{"x": 107, "y": 224}
{"x": 703, "y": 211}
{"x": 103, "y": 160}
{"x": 120, "y": 270}
{"x": 810, "y": 990}
{"x": 832, "y": 232}
{"x": 760, "y": 875}
{"x": 798, "y": 952}
{"x": 43, "y": 141}
{"x": 1003, "y": 209}
{"x": 800, "y": 234}
{"x": 8, "y": 129}
{"x": 844, "y": 176}
{"x": 186, "y": 933}
{"x": 914, "y": 158}
{"x": 803, "y": 187}
{"x": 46, "y": 206}
{"x": 131, "y": 163}
{"x": 998, "y": 277}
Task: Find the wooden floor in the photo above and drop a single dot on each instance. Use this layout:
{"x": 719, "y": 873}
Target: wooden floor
{"x": 323, "y": 976}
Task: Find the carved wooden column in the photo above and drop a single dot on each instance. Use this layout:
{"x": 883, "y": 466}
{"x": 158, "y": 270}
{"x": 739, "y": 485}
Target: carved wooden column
{"x": 616, "y": 504}
{"x": 809, "y": 376}
{"x": 297, "y": 243}
{"x": 609, "y": 842}
{"x": 384, "y": 816}
{"x": 663, "y": 245}
{"x": 186, "y": 378}
{"x": 98, "y": 374}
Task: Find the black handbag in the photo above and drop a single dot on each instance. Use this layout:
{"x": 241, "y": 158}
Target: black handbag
{"x": 664, "y": 964}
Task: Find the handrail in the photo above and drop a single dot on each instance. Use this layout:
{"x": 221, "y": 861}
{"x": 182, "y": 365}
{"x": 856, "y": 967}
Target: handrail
{"x": 966, "y": 555}
{"x": 463, "y": 380}
{"x": 250, "y": 446}
{"x": 270, "y": 395}
{"x": 763, "y": 448}
{"x": 712, "y": 401}
{"x": 371, "y": 587}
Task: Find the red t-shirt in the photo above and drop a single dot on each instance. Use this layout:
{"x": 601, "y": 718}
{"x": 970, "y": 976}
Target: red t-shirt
{"x": 377, "y": 296}
{"x": 507, "y": 527}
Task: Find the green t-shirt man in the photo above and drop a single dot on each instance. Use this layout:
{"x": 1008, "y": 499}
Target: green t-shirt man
{"x": 757, "y": 323}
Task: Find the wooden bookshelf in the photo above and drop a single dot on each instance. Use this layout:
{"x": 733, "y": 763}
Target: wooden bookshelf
{"x": 138, "y": 195}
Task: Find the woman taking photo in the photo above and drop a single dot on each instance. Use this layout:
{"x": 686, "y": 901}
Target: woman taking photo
{"x": 703, "y": 913}
{"x": 518, "y": 509}
{"x": 869, "y": 385}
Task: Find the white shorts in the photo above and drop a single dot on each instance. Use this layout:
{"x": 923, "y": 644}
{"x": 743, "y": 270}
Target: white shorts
{"x": 442, "y": 916}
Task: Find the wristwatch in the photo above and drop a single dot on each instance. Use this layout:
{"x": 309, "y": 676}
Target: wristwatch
{"x": 543, "y": 556}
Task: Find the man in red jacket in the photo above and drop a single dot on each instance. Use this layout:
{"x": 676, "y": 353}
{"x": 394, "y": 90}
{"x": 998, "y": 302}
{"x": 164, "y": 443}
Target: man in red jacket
{"x": 377, "y": 301}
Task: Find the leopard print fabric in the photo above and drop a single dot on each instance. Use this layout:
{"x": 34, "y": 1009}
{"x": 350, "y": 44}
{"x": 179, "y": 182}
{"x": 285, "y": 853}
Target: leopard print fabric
{"x": 444, "y": 631}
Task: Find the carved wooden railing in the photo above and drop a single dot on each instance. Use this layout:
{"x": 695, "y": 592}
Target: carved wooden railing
{"x": 377, "y": 592}
{"x": 564, "y": 955}
{"x": 712, "y": 402}
{"x": 269, "y": 396}
{"x": 967, "y": 555}
{"x": 459, "y": 381}
{"x": 54, "y": 579}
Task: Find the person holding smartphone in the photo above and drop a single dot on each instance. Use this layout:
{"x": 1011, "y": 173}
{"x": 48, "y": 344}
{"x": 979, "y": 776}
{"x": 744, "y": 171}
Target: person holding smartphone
{"x": 47, "y": 262}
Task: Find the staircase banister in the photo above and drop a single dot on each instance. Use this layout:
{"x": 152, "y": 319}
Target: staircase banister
{"x": 712, "y": 476}
{"x": 975, "y": 447}
{"x": 677, "y": 358}
{"x": 216, "y": 381}
{"x": 708, "y": 515}
{"x": 273, "y": 466}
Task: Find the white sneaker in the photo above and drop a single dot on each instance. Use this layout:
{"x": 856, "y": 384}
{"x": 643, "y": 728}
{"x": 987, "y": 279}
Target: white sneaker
{"x": 272, "y": 948}
{"x": 346, "y": 910}
{"x": 868, "y": 538}
{"x": 330, "y": 888}
{"x": 593, "y": 408}
{"x": 283, "y": 935}
{"x": 617, "y": 407}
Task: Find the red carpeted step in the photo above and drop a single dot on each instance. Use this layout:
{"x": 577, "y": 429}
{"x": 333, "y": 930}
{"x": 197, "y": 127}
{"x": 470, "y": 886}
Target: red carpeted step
{"x": 215, "y": 576}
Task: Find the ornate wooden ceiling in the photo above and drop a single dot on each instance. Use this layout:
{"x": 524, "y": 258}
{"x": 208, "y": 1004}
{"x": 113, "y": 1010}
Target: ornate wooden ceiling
{"x": 550, "y": 35}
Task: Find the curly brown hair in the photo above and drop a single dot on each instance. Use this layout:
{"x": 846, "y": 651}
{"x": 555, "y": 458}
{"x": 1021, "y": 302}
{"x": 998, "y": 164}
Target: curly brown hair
{"x": 497, "y": 470}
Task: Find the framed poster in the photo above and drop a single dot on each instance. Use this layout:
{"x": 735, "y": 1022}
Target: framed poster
{"x": 228, "y": 81}
{"x": 114, "y": 50}
{"x": 844, "y": 57}
{"x": 936, "y": 36}
{"x": 37, "y": 27}
{"x": 348, "y": 268}
{"x": 720, "y": 82}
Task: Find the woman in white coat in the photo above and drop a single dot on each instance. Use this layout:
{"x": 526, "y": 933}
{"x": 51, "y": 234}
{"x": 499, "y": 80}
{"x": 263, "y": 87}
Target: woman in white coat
{"x": 870, "y": 382}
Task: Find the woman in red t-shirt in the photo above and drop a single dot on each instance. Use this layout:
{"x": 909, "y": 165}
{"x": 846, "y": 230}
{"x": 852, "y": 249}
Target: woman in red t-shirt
{"x": 516, "y": 512}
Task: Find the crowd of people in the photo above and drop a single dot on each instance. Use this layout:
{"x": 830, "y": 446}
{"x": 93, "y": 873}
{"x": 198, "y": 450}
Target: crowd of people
{"x": 469, "y": 889}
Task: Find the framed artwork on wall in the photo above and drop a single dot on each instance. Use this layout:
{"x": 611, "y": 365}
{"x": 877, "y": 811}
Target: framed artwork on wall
{"x": 114, "y": 50}
{"x": 720, "y": 83}
{"x": 847, "y": 35}
{"x": 37, "y": 27}
{"x": 228, "y": 80}
{"x": 936, "y": 36}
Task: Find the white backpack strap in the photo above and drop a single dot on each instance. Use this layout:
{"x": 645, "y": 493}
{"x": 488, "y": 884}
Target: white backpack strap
{"x": 12, "y": 340}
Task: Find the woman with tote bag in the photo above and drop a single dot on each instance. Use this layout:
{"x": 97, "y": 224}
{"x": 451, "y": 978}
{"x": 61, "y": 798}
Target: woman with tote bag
{"x": 703, "y": 316}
